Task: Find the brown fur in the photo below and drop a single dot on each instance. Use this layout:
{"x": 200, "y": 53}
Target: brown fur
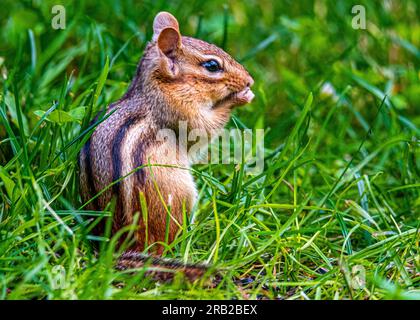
{"x": 170, "y": 86}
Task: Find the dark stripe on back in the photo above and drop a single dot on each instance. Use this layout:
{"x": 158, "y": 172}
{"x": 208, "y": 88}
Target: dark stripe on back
{"x": 116, "y": 151}
{"x": 117, "y": 160}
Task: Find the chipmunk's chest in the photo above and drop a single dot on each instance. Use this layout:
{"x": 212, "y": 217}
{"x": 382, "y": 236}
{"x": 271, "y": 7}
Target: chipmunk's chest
{"x": 170, "y": 171}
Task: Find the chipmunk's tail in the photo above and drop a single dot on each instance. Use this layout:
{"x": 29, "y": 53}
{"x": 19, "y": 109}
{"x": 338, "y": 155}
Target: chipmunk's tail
{"x": 161, "y": 269}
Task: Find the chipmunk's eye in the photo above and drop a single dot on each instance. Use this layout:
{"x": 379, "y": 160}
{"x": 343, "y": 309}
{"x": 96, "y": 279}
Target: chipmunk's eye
{"x": 211, "y": 65}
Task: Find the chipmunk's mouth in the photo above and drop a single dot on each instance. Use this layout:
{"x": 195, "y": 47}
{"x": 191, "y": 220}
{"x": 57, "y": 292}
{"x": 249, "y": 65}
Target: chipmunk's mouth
{"x": 236, "y": 98}
{"x": 245, "y": 95}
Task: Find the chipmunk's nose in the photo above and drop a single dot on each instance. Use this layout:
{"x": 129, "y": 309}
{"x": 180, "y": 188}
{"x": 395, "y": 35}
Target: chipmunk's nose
{"x": 250, "y": 82}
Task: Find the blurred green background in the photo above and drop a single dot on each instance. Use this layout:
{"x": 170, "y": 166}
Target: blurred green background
{"x": 290, "y": 47}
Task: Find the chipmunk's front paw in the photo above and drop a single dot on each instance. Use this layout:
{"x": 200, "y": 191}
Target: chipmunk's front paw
{"x": 245, "y": 96}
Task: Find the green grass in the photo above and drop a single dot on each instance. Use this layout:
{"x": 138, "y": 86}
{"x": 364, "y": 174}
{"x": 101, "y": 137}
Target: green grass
{"x": 340, "y": 188}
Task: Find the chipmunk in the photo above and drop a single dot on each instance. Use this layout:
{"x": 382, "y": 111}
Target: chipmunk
{"x": 178, "y": 79}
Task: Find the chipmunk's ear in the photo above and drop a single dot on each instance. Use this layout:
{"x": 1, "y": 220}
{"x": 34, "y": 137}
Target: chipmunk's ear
{"x": 166, "y": 35}
{"x": 162, "y": 21}
{"x": 169, "y": 41}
